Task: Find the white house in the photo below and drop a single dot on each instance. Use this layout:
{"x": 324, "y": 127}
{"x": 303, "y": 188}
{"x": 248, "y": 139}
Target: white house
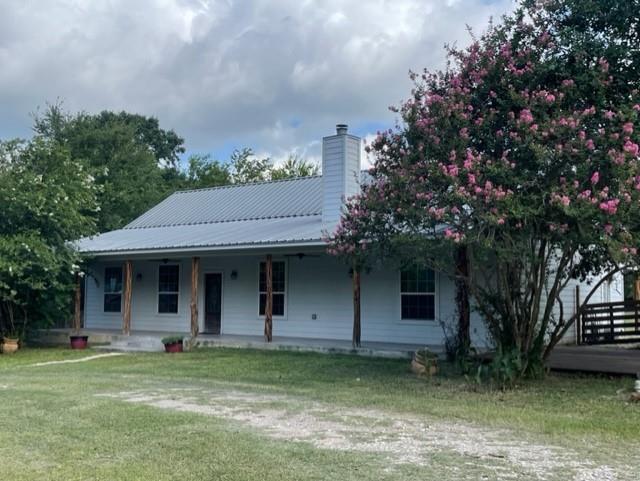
{"x": 224, "y": 235}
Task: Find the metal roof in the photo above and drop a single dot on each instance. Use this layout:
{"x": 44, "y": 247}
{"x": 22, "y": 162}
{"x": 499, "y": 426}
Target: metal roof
{"x": 262, "y": 200}
{"x": 246, "y": 233}
{"x": 264, "y": 213}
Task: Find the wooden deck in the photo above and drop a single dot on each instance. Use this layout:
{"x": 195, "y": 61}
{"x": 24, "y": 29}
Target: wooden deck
{"x": 600, "y": 359}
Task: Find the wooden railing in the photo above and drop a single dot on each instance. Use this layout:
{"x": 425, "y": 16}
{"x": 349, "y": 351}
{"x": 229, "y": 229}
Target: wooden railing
{"x": 610, "y": 323}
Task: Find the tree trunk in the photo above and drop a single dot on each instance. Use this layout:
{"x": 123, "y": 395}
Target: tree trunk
{"x": 356, "y": 308}
{"x": 195, "y": 270}
{"x": 126, "y": 313}
{"x": 268, "y": 308}
{"x": 77, "y": 308}
{"x": 462, "y": 301}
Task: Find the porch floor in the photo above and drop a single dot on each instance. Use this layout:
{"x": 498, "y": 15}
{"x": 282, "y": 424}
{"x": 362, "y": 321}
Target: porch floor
{"x": 150, "y": 340}
{"x": 614, "y": 359}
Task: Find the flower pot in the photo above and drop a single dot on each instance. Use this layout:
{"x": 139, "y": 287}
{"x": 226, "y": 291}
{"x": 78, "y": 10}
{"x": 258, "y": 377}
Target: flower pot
{"x": 79, "y": 342}
{"x": 9, "y": 345}
{"x": 173, "y": 347}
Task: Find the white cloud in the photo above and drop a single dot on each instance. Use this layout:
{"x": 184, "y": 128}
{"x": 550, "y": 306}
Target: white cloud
{"x": 275, "y": 76}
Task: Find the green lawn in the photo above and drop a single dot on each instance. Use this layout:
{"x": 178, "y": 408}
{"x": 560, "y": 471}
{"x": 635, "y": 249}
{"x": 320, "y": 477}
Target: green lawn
{"x": 266, "y": 415}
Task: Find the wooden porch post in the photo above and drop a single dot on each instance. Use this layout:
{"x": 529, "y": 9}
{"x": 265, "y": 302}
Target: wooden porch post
{"x": 77, "y": 308}
{"x": 268, "y": 308}
{"x": 356, "y": 307}
{"x": 195, "y": 269}
{"x": 126, "y": 313}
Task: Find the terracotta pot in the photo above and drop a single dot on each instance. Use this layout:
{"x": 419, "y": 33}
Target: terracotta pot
{"x": 9, "y": 345}
{"x": 79, "y": 342}
{"x": 173, "y": 347}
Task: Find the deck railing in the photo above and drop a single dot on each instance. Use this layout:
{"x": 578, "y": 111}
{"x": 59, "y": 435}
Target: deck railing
{"x": 610, "y": 323}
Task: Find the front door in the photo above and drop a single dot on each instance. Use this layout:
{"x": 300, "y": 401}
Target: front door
{"x": 212, "y": 303}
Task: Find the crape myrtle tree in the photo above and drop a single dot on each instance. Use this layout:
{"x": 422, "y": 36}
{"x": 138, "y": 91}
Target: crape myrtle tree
{"x": 524, "y": 153}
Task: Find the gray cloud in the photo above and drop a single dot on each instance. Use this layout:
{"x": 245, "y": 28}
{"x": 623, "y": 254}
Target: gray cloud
{"x": 275, "y": 75}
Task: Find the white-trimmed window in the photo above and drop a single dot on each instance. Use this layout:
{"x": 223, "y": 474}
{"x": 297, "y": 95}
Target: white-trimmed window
{"x": 168, "y": 288}
{"x": 418, "y": 294}
{"x": 278, "y": 270}
{"x": 112, "y": 289}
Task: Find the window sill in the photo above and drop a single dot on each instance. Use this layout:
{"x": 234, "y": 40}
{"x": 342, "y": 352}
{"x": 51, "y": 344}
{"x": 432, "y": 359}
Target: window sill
{"x": 416, "y": 322}
{"x": 275, "y": 318}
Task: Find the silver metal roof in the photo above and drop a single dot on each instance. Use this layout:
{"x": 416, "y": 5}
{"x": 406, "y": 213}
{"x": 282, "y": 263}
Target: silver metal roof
{"x": 266, "y": 213}
{"x": 245, "y": 233}
{"x": 263, "y": 200}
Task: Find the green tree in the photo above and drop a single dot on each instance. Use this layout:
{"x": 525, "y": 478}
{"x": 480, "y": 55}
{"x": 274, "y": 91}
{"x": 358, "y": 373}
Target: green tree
{"x": 47, "y": 201}
{"x": 294, "y": 166}
{"x": 246, "y": 167}
{"x": 131, "y": 157}
{"x": 204, "y": 171}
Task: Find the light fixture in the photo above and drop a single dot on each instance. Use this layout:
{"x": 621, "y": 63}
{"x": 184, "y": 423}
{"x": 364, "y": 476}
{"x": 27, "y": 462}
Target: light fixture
{"x": 234, "y": 274}
{"x": 139, "y": 276}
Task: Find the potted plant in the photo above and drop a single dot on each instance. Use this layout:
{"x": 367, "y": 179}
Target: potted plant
{"x": 10, "y": 344}
{"x": 76, "y": 339}
{"x": 424, "y": 362}
{"x": 173, "y": 343}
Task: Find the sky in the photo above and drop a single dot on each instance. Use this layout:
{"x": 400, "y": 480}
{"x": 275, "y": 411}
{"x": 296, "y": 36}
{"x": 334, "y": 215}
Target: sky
{"x": 273, "y": 75}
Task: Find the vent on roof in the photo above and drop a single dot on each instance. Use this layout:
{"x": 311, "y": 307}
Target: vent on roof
{"x": 340, "y": 173}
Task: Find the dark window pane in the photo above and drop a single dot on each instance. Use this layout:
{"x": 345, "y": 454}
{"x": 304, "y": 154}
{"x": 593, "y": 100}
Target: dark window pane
{"x": 263, "y": 303}
{"x": 168, "y": 303}
{"x": 418, "y": 307}
{"x": 417, "y": 279}
{"x": 113, "y": 279}
{"x": 278, "y": 304}
{"x": 169, "y": 279}
{"x": 278, "y": 276}
{"x": 112, "y": 302}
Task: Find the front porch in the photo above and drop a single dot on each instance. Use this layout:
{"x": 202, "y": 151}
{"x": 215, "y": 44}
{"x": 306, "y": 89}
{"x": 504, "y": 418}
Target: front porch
{"x": 112, "y": 339}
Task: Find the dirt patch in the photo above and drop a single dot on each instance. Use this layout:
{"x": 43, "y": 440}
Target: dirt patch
{"x": 398, "y": 437}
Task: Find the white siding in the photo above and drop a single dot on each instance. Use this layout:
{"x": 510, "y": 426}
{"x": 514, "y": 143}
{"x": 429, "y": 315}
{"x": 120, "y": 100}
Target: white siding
{"x": 318, "y": 286}
{"x": 340, "y": 175}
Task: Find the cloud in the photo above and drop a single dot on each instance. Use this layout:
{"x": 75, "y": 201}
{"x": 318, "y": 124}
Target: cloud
{"x": 275, "y": 76}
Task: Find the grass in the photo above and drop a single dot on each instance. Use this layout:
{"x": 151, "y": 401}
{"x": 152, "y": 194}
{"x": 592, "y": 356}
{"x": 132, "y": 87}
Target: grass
{"x": 56, "y": 425}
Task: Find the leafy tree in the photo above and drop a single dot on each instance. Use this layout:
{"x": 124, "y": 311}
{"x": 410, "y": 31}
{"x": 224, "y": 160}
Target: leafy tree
{"x": 294, "y": 166}
{"x": 47, "y": 200}
{"x": 246, "y": 167}
{"x": 204, "y": 171}
{"x": 131, "y": 158}
{"x": 525, "y": 152}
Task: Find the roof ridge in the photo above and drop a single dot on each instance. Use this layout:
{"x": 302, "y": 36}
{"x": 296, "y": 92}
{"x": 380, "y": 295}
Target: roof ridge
{"x": 313, "y": 214}
{"x": 245, "y": 184}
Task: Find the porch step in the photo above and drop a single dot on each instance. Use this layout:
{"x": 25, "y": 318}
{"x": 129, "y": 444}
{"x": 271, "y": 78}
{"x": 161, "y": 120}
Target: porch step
{"x": 134, "y": 344}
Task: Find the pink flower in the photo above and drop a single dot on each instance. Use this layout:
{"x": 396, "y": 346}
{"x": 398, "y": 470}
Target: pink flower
{"x": 595, "y": 178}
{"x": 526, "y": 116}
{"x": 636, "y": 107}
{"x": 631, "y": 147}
{"x": 627, "y": 128}
{"x": 590, "y": 145}
{"x": 501, "y": 221}
{"x": 609, "y": 114}
{"x": 608, "y": 228}
{"x": 550, "y": 98}
{"x": 610, "y": 206}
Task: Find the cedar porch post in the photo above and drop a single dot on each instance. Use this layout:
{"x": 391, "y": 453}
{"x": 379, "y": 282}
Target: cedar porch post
{"x": 126, "y": 313}
{"x": 77, "y": 321}
{"x": 356, "y": 307}
{"x": 195, "y": 269}
{"x": 268, "y": 308}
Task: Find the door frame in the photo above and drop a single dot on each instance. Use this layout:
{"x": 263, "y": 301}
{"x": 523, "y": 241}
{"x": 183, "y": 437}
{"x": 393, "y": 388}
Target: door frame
{"x": 202, "y": 314}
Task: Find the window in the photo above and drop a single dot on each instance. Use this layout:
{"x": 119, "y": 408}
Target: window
{"x": 168, "y": 289}
{"x": 112, "y": 289}
{"x": 278, "y": 280}
{"x": 418, "y": 294}
{"x": 630, "y": 286}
